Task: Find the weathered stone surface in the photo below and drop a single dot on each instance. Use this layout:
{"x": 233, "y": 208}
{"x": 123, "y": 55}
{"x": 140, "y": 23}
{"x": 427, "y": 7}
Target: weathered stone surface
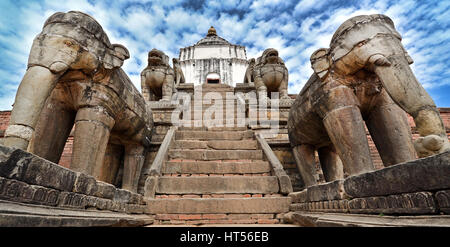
{"x": 299, "y": 196}
{"x": 42, "y": 172}
{"x": 220, "y": 205}
{"x": 158, "y": 78}
{"x": 309, "y": 219}
{"x": 85, "y": 184}
{"x": 216, "y": 167}
{"x": 443, "y": 200}
{"x": 215, "y": 135}
{"x": 210, "y": 185}
{"x": 122, "y": 196}
{"x": 426, "y": 174}
{"x": 327, "y": 191}
{"x": 411, "y": 203}
{"x": 13, "y": 190}
{"x": 105, "y": 190}
{"x": 25, "y": 215}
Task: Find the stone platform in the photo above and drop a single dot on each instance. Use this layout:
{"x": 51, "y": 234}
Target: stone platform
{"x": 419, "y": 187}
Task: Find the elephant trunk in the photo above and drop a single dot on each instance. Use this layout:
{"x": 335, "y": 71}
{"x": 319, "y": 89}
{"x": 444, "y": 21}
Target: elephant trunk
{"x": 36, "y": 86}
{"x": 403, "y": 87}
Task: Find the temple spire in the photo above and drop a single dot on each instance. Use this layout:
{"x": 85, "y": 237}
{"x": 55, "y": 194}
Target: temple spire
{"x": 211, "y": 31}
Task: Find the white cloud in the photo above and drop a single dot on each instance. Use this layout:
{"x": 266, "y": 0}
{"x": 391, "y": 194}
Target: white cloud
{"x": 295, "y": 28}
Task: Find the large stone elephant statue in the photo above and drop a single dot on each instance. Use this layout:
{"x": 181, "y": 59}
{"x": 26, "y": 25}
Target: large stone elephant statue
{"x": 158, "y": 78}
{"x": 270, "y": 74}
{"x": 363, "y": 76}
{"x": 74, "y": 78}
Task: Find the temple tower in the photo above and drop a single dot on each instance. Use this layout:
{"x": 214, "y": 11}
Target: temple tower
{"x": 213, "y": 60}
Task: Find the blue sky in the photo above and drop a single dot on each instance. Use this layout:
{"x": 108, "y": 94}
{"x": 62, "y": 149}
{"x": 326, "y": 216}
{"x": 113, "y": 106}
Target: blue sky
{"x": 294, "y": 28}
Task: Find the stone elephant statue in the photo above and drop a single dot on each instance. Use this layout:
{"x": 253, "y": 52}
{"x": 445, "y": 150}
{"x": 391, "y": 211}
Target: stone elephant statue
{"x": 158, "y": 78}
{"x": 74, "y": 79}
{"x": 270, "y": 74}
{"x": 363, "y": 76}
{"x": 248, "y": 77}
{"x": 179, "y": 76}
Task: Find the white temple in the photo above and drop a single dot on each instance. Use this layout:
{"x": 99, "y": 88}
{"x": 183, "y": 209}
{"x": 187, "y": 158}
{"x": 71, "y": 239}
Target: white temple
{"x": 213, "y": 60}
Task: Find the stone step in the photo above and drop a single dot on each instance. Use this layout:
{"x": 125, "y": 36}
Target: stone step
{"x": 202, "y": 154}
{"x": 218, "y": 218}
{"x": 214, "y": 167}
{"x": 218, "y": 185}
{"x": 204, "y": 128}
{"x": 219, "y": 205}
{"x": 217, "y": 145}
{"x": 214, "y": 135}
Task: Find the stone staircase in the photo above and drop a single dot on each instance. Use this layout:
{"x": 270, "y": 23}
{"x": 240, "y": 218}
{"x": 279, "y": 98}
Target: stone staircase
{"x": 217, "y": 175}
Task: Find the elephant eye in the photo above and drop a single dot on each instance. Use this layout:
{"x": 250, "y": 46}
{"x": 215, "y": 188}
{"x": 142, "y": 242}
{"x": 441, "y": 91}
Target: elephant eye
{"x": 361, "y": 43}
{"x": 68, "y": 43}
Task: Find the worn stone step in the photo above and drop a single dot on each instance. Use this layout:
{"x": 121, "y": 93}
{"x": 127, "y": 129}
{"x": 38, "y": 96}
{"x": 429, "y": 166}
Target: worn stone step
{"x": 215, "y": 154}
{"x": 219, "y": 205}
{"x": 217, "y": 145}
{"x": 213, "y": 135}
{"x": 214, "y": 167}
{"x": 204, "y": 128}
{"x": 218, "y": 185}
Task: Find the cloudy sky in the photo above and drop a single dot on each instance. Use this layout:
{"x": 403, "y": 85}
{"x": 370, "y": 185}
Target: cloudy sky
{"x": 294, "y": 28}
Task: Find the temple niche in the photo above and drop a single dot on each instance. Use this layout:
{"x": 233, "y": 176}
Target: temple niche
{"x": 213, "y": 60}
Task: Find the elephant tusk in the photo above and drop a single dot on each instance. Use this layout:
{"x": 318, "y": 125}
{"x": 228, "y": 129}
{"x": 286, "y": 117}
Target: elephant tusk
{"x": 379, "y": 60}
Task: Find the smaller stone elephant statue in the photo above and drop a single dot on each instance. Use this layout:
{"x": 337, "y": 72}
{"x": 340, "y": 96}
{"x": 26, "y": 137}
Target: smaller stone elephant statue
{"x": 179, "y": 76}
{"x": 74, "y": 78}
{"x": 248, "y": 77}
{"x": 270, "y": 74}
{"x": 158, "y": 78}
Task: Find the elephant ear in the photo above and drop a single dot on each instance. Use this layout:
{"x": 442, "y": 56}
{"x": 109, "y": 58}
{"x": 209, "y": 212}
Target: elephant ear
{"x": 114, "y": 57}
{"x": 320, "y": 62}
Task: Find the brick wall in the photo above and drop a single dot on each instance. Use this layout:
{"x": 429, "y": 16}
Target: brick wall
{"x": 66, "y": 156}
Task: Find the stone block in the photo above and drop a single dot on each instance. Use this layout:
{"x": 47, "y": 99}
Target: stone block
{"x": 219, "y": 205}
{"x": 327, "y": 191}
{"x": 105, "y": 190}
{"x": 426, "y": 174}
{"x": 13, "y": 190}
{"x": 217, "y": 185}
{"x": 72, "y": 200}
{"x": 85, "y": 184}
{"x": 13, "y": 162}
{"x": 409, "y": 203}
{"x": 122, "y": 196}
{"x": 443, "y": 200}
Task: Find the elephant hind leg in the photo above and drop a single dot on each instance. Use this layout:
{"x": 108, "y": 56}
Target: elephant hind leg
{"x": 53, "y": 129}
{"x": 346, "y": 130}
{"x": 391, "y": 132}
{"x": 331, "y": 164}
{"x": 111, "y": 164}
{"x": 306, "y": 164}
{"x": 132, "y": 166}
{"x": 92, "y": 130}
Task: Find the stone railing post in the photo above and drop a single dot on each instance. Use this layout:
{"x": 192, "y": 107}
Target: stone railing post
{"x": 155, "y": 170}
{"x": 277, "y": 168}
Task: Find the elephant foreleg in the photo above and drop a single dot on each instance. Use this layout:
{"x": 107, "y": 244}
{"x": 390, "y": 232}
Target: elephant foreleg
{"x": 345, "y": 128}
{"x": 111, "y": 163}
{"x": 331, "y": 164}
{"x": 391, "y": 133}
{"x": 305, "y": 159}
{"x": 403, "y": 87}
{"x": 133, "y": 162}
{"x": 52, "y": 131}
{"x": 92, "y": 129}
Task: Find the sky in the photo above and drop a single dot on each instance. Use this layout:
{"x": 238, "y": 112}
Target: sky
{"x": 295, "y": 28}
